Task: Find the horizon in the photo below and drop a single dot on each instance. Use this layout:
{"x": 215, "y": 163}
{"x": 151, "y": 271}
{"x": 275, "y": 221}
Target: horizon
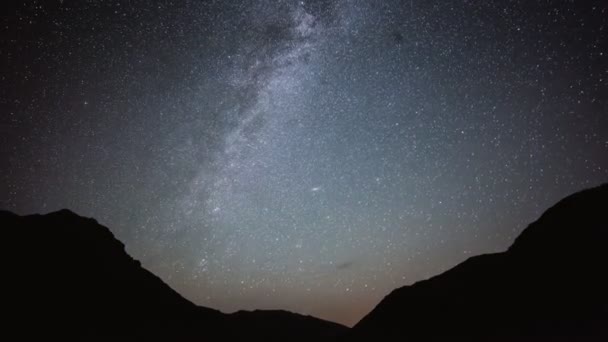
{"x": 288, "y": 311}
{"x": 307, "y": 156}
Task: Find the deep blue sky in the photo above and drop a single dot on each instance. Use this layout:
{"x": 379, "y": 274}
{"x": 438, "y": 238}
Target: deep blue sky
{"x": 302, "y": 155}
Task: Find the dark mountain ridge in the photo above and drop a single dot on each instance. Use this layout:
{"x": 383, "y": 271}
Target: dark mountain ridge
{"x": 550, "y": 284}
{"x": 69, "y": 277}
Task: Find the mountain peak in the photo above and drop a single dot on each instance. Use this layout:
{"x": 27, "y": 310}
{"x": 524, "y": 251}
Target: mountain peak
{"x": 69, "y": 276}
{"x": 550, "y": 282}
{"x": 576, "y": 220}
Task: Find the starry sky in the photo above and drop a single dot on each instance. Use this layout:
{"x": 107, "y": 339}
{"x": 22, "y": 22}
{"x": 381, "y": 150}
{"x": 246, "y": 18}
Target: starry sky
{"x": 302, "y": 155}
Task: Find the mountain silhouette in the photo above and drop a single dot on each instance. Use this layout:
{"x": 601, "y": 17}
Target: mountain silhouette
{"x": 69, "y": 277}
{"x": 551, "y": 284}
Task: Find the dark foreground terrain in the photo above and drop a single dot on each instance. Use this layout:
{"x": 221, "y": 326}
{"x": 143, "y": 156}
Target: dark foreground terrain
{"x": 69, "y": 277}
{"x": 551, "y": 284}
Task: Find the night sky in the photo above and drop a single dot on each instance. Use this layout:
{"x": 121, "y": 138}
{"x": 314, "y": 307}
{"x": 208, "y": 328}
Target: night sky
{"x": 302, "y": 155}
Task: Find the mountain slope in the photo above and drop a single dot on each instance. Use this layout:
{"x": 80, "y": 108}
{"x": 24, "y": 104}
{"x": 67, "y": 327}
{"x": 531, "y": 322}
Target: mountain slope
{"x": 68, "y": 276}
{"x": 551, "y": 283}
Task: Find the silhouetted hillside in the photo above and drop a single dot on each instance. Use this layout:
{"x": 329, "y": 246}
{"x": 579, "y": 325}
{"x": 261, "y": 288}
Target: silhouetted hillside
{"x": 551, "y": 284}
{"x": 68, "y": 276}
{"x": 285, "y": 326}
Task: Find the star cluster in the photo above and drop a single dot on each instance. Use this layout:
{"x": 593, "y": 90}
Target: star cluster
{"x": 302, "y": 155}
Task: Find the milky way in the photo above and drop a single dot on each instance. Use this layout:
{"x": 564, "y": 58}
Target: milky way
{"x": 302, "y": 155}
